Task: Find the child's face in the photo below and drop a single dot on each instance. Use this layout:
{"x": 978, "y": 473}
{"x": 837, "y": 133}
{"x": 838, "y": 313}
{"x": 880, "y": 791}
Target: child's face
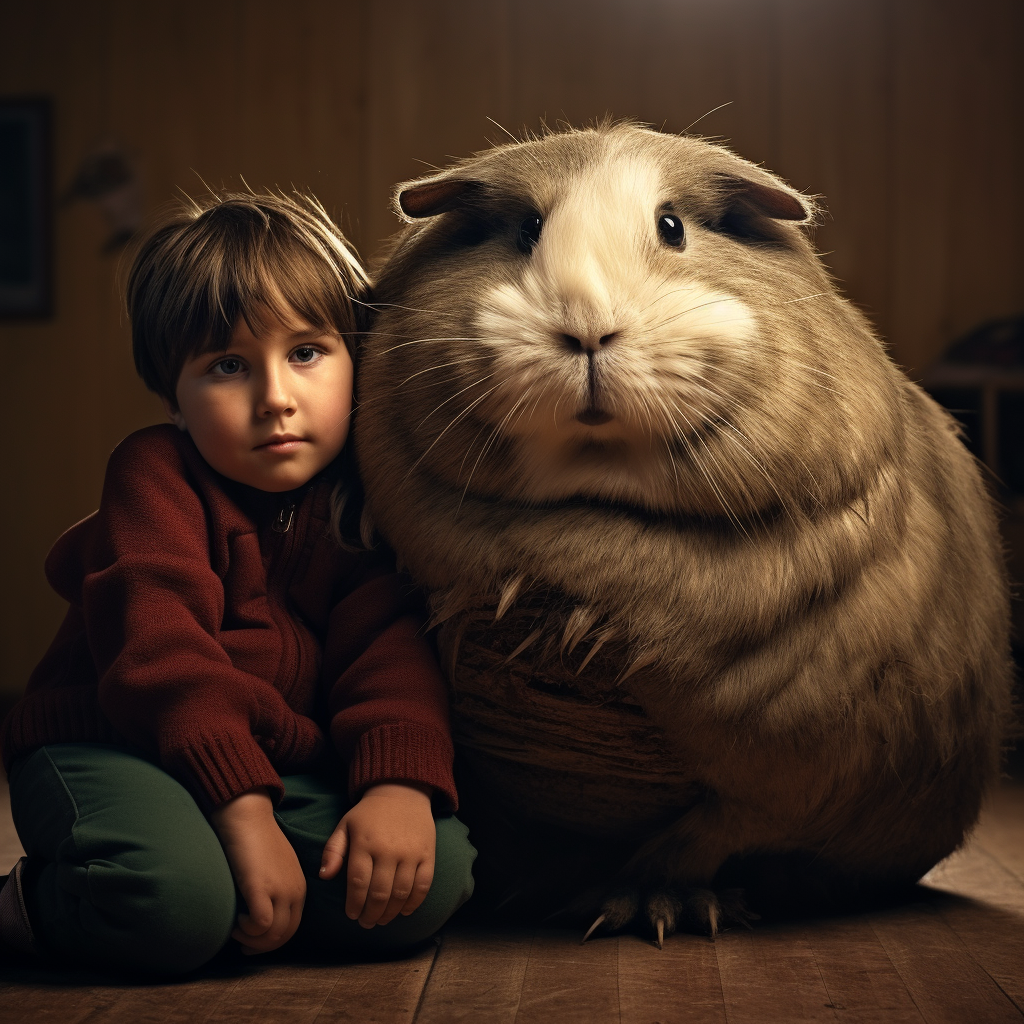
{"x": 271, "y": 411}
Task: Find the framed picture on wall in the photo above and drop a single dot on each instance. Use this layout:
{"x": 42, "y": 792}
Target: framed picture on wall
{"x": 25, "y": 240}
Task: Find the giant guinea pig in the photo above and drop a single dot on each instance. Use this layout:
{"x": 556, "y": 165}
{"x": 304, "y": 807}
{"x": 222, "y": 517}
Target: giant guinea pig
{"x": 715, "y": 582}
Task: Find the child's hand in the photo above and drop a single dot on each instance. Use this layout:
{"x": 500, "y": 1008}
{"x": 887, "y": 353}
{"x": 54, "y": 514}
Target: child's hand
{"x": 265, "y": 868}
{"x": 389, "y": 840}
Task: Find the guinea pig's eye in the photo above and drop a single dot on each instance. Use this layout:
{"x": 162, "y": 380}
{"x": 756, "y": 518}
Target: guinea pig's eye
{"x": 670, "y": 227}
{"x": 529, "y": 233}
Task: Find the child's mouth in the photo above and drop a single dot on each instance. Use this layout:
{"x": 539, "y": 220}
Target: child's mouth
{"x": 280, "y": 445}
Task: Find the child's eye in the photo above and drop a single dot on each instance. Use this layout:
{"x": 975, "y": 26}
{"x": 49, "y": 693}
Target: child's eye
{"x": 228, "y": 367}
{"x": 305, "y": 354}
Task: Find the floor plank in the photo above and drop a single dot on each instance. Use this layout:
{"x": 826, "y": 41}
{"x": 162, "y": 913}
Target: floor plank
{"x": 171, "y": 1003}
{"x": 985, "y": 909}
{"x": 1001, "y": 829}
{"x": 946, "y": 982}
{"x": 281, "y": 994}
{"x": 570, "y": 982}
{"x": 387, "y": 993}
{"x": 378, "y": 993}
{"x": 954, "y": 955}
{"x": 771, "y": 974}
{"x": 48, "y": 1003}
{"x": 477, "y": 977}
{"x": 676, "y": 985}
{"x": 860, "y": 979}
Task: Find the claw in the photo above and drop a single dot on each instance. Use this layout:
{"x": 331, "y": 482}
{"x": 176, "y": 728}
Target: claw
{"x": 660, "y": 926}
{"x": 593, "y": 928}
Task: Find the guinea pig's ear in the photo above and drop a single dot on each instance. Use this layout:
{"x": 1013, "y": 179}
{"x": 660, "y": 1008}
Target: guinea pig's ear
{"x": 751, "y": 207}
{"x": 437, "y": 195}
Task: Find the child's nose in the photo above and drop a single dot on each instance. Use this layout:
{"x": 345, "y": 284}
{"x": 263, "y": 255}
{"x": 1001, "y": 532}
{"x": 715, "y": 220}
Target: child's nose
{"x": 275, "y": 397}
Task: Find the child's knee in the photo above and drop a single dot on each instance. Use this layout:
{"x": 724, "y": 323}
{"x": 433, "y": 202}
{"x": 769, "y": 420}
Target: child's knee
{"x": 453, "y": 865}
{"x": 168, "y": 915}
{"x": 124, "y": 869}
{"x": 176, "y": 919}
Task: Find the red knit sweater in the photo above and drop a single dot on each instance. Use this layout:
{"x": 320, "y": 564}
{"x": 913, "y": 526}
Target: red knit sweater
{"x": 201, "y": 634}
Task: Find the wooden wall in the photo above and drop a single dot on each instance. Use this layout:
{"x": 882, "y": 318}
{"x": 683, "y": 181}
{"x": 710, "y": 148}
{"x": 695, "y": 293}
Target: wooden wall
{"x": 904, "y": 115}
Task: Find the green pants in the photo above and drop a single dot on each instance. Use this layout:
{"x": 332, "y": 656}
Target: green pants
{"x": 125, "y": 871}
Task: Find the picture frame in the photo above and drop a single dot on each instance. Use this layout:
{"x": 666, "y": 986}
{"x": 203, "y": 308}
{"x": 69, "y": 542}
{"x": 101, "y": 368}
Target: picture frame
{"x": 26, "y": 287}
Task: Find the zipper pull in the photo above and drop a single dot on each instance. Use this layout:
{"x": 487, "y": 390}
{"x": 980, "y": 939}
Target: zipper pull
{"x": 283, "y": 522}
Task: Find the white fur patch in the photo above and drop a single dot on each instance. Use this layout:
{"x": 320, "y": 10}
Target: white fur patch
{"x": 600, "y": 269}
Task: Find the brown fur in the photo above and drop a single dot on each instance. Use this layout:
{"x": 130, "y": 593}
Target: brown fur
{"x": 779, "y": 551}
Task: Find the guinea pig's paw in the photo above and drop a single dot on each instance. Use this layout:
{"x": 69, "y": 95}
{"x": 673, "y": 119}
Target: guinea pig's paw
{"x": 666, "y": 910}
{"x": 660, "y": 908}
{"x": 705, "y": 910}
{"x": 663, "y": 908}
{"x": 617, "y": 909}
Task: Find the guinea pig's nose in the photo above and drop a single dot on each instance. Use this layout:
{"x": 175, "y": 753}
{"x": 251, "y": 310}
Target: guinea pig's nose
{"x": 589, "y": 342}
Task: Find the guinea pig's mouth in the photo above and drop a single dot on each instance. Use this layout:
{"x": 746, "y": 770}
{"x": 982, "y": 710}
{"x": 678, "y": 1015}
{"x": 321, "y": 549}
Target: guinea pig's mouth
{"x": 593, "y": 417}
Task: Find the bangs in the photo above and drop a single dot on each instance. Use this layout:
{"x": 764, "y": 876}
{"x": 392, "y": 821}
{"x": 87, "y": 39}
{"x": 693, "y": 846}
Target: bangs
{"x": 264, "y": 260}
{"x": 266, "y": 274}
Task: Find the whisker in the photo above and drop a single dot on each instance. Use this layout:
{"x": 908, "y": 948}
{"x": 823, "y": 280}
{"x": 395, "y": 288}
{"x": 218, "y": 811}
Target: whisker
{"x": 503, "y": 128}
{"x": 713, "y": 110}
{"x": 451, "y": 397}
{"x": 483, "y": 451}
{"x": 696, "y": 328}
{"x": 727, "y": 401}
{"x": 726, "y": 507}
{"x": 476, "y": 401}
{"x": 408, "y": 309}
{"x": 440, "y": 366}
{"x": 421, "y": 341}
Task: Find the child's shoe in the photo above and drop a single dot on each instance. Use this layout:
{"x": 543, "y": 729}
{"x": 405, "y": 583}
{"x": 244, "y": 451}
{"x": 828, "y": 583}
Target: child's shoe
{"x": 15, "y": 930}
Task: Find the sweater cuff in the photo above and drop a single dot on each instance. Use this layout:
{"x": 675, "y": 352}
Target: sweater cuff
{"x": 222, "y": 767}
{"x": 404, "y": 753}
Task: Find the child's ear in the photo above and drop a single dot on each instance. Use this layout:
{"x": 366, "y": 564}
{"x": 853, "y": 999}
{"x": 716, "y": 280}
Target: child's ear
{"x": 173, "y": 413}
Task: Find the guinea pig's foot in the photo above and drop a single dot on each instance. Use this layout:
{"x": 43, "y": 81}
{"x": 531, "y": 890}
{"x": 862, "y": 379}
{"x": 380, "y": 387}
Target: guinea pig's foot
{"x": 663, "y": 908}
{"x": 627, "y": 905}
{"x": 707, "y": 911}
{"x": 667, "y": 910}
{"x": 618, "y": 908}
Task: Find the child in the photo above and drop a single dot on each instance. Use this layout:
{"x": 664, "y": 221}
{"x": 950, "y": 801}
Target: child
{"x": 171, "y": 744}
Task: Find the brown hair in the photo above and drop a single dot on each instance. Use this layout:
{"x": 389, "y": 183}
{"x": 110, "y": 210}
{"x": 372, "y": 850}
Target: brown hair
{"x": 231, "y": 256}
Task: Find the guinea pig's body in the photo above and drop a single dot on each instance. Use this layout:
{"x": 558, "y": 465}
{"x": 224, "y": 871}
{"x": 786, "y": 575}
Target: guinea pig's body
{"x": 714, "y": 579}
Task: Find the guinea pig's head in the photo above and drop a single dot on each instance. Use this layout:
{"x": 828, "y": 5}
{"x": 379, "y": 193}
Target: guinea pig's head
{"x": 620, "y": 315}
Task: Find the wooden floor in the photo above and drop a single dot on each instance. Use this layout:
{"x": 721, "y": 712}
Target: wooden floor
{"x": 955, "y": 956}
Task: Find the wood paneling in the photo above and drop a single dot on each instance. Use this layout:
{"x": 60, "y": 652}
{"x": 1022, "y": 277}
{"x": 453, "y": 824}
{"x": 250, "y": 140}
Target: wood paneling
{"x": 435, "y": 73}
{"x": 958, "y": 115}
{"x": 833, "y": 135}
{"x": 907, "y": 116}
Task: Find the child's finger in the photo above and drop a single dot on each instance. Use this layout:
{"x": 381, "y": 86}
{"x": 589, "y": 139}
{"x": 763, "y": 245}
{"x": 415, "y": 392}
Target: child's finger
{"x": 401, "y": 891}
{"x": 287, "y": 915}
{"x": 360, "y": 872}
{"x": 420, "y": 886}
{"x": 261, "y": 912}
{"x": 381, "y": 884}
{"x": 283, "y": 927}
{"x": 334, "y": 852}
